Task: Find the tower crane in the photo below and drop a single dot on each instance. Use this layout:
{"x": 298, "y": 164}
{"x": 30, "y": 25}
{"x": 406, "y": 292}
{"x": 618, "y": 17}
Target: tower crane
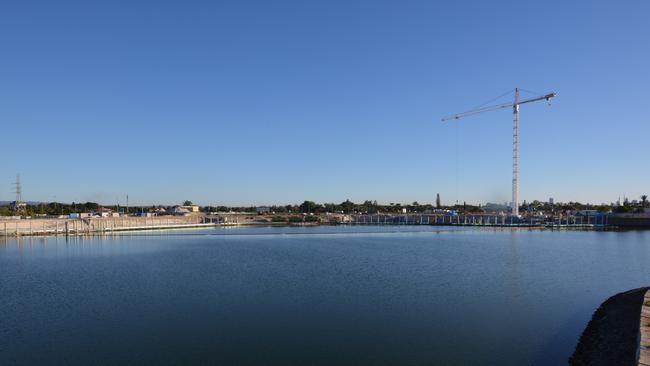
{"x": 515, "y": 135}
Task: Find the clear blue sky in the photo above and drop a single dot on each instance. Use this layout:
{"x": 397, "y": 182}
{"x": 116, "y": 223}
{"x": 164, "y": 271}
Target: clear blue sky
{"x": 265, "y": 102}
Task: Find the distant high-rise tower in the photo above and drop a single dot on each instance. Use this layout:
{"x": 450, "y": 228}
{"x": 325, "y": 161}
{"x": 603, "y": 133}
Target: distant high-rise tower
{"x": 438, "y": 200}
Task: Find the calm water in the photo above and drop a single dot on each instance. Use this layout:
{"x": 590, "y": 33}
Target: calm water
{"x": 311, "y": 296}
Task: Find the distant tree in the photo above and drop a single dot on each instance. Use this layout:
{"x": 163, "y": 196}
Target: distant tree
{"x": 644, "y": 200}
{"x": 347, "y": 206}
{"x": 279, "y": 209}
{"x": 187, "y": 203}
{"x": 6, "y": 210}
{"x": 603, "y": 208}
{"x": 623, "y": 209}
{"x": 310, "y": 207}
{"x": 369, "y": 207}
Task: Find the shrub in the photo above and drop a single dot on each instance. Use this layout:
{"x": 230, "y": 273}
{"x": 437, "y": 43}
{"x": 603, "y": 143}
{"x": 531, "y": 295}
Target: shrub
{"x": 312, "y": 219}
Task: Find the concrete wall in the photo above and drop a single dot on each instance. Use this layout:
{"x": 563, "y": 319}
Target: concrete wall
{"x": 90, "y": 225}
{"x": 629, "y": 220}
{"x": 643, "y": 351}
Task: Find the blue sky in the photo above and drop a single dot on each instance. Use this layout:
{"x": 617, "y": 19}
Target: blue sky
{"x": 269, "y": 102}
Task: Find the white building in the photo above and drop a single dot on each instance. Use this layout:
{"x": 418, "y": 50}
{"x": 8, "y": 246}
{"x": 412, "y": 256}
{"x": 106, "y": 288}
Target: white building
{"x": 180, "y": 210}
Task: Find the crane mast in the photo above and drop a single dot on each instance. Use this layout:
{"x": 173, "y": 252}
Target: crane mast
{"x": 515, "y": 156}
{"x": 515, "y": 136}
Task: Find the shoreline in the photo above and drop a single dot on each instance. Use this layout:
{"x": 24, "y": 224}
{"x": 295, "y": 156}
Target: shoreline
{"x": 108, "y": 226}
{"x": 612, "y": 335}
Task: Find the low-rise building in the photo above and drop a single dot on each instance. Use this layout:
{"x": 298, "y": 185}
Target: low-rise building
{"x": 587, "y": 213}
{"x": 103, "y": 212}
{"x": 180, "y": 210}
{"x": 191, "y": 208}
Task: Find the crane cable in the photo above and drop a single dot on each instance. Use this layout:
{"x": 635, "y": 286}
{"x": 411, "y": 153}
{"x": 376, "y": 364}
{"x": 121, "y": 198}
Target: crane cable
{"x": 456, "y": 155}
{"x": 494, "y": 99}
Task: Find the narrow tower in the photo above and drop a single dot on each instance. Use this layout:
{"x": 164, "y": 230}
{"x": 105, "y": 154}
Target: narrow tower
{"x": 18, "y": 204}
{"x": 515, "y": 155}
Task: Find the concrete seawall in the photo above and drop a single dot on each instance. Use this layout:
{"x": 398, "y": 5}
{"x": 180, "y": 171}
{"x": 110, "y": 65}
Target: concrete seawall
{"x": 10, "y": 228}
{"x": 630, "y": 220}
{"x": 643, "y": 352}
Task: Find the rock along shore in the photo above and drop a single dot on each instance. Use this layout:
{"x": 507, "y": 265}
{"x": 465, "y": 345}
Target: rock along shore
{"x": 612, "y": 335}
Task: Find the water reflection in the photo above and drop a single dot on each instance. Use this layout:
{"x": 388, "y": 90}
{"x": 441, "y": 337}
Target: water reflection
{"x": 319, "y": 296}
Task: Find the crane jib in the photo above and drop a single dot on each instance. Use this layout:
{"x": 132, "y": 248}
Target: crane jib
{"x": 472, "y": 112}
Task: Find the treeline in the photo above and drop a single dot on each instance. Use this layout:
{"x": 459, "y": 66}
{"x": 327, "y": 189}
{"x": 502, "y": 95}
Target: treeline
{"x": 311, "y": 207}
{"x": 346, "y": 207}
{"x": 57, "y": 209}
{"x": 626, "y": 207}
{"x": 49, "y": 209}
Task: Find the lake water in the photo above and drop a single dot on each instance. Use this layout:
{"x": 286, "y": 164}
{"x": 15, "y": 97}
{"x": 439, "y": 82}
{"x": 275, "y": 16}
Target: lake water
{"x": 311, "y": 296}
